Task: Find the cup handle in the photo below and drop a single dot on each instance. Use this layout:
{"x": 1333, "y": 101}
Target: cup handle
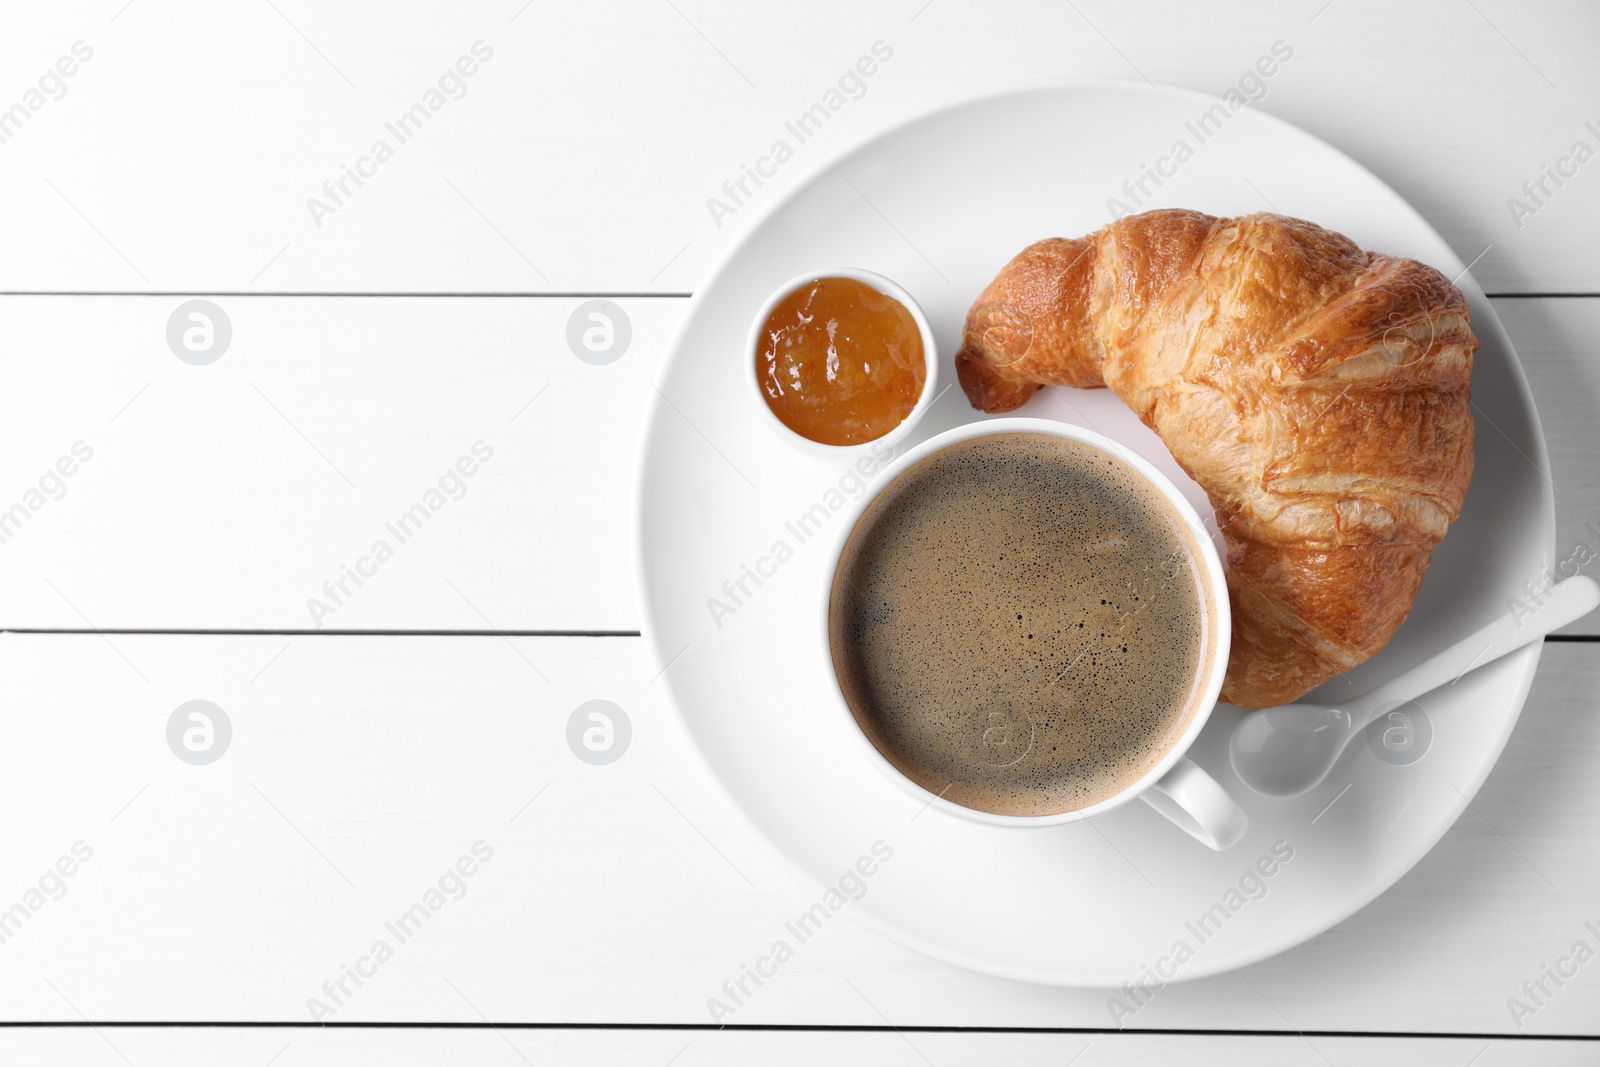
{"x": 1199, "y": 807}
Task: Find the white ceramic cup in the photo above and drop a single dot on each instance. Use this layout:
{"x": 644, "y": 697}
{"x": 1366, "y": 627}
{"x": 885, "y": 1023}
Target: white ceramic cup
{"x": 888, "y": 288}
{"x": 1176, "y": 787}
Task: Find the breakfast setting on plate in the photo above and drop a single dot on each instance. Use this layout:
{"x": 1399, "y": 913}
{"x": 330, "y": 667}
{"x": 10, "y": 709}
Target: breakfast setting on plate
{"x": 700, "y": 535}
{"x": 1233, "y": 509}
{"x": 1318, "y": 393}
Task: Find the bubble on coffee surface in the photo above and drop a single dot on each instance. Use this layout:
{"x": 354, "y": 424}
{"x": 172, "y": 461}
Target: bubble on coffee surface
{"x": 1018, "y": 624}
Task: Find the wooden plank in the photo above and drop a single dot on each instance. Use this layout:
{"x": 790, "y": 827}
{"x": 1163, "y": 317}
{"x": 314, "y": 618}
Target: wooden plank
{"x": 362, "y": 769}
{"x": 1557, "y": 341}
{"x": 223, "y": 496}
{"x": 312, "y": 1048}
{"x": 582, "y": 155}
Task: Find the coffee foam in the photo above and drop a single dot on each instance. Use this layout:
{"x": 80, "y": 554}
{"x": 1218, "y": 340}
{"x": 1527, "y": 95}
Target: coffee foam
{"x": 1019, "y": 623}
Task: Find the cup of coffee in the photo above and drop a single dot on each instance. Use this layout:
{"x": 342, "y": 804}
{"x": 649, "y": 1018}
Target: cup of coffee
{"x": 1027, "y": 625}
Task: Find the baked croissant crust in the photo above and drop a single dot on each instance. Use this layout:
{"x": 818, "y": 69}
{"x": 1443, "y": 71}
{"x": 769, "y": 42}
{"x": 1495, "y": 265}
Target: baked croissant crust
{"x": 1318, "y": 393}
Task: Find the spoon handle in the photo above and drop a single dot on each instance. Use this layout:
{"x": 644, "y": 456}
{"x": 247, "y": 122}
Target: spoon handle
{"x": 1567, "y": 602}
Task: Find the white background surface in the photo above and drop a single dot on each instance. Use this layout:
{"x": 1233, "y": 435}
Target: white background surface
{"x": 579, "y": 163}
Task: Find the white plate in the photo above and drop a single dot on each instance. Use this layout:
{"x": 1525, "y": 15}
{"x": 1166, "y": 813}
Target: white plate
{"x": 940, "y": 205}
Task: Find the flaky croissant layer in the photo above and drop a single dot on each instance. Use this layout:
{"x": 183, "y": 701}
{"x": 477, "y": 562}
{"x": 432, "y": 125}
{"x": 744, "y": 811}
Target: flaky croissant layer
{"x": 1318, "y": 393}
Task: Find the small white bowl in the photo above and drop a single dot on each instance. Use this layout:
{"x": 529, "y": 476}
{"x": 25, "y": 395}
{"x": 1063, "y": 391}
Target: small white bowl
{"x": 930, "y": 353}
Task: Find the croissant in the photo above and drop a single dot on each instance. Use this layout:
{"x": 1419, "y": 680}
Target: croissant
{"x": 1319, "y": 394}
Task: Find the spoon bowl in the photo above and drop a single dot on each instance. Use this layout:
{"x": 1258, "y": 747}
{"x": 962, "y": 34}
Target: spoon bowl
{"x": 1277, "y": 751}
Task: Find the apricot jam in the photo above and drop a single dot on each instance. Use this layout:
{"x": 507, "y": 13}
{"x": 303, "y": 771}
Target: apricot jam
{"x": 840, "y": 362}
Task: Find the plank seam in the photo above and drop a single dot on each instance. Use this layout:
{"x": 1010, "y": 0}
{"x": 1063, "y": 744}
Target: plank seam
{"x": 334, "y": 633}
{"x": 429, "y": 295}
{"x": 796, "y": 1028}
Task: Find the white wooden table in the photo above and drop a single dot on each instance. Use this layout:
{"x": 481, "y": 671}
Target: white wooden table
{"x": 377, "y": 339}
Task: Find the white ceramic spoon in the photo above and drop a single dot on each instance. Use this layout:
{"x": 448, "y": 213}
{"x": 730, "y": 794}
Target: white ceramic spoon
{"x": 1287, "y": 750}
